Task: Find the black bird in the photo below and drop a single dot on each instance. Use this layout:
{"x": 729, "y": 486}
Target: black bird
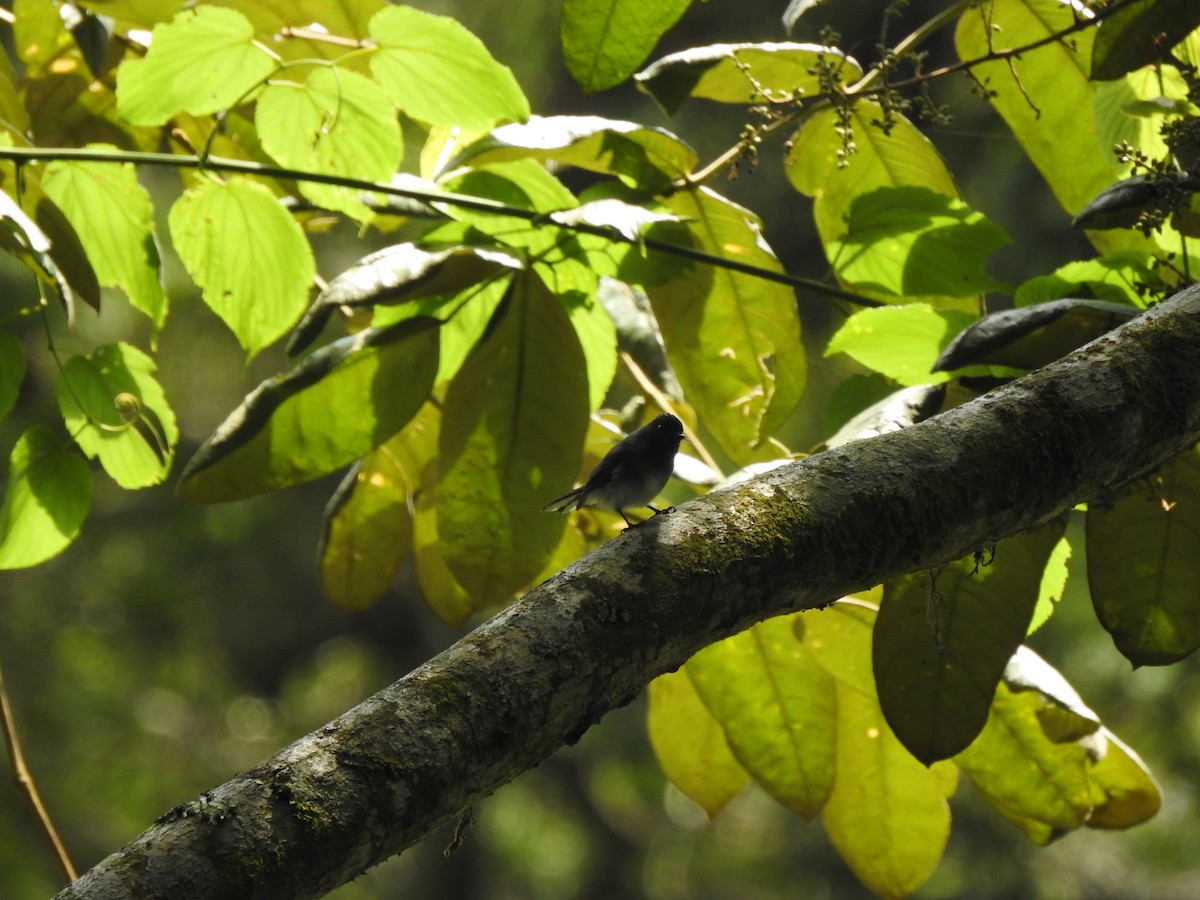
{"x": 631, "y": 473}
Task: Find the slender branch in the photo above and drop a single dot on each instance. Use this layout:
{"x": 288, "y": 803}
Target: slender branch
{"x": 432, "y": 198}
{"x": 23, "y": 779}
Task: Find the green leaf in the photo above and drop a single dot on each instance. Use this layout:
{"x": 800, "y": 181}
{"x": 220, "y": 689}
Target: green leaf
{"x": 559, "y": 257}
{"x": 733, "y": 339}
{"x": 248, "y": 254}
{"x": 887, "y": 814}
{"x": 744, "y": 74}
{"x": 690, "y": 744}
{"x": 1135, "y": 108}
{"x": 337, "y": 123}
{"x": 834, "y": 161}
{"x": 337, "y": 405}
{"x": 604, "y": 41}
{"x": 48, "y": 246}
{"x": 138, "y": 12}
{"x": 513, "y": 423}
{"x": 349, "y": 20}
{"x": 777, "y": 707}
{"x": 1119, "y": 278}
{"x": 1141, "y": 33}
{"x": 1040, "y": 785}
{"x": 901, "y": 342}
{"x": 646, "y": 157}
{"x": 212, "y": 40}
{"x": 38, "y": 35}
{"x": 417, "y": 445}
{"x": 913, "y": 242}
{"x": 114, "y": 218}
{"x": 1142, "y": 565}
{"x": 1044, "y": 95}
{"x": 438, "y": 72}
{"x": 12, "y": 371}
{"x": 117, "y": 412}
{"x": 45, "y": 501}
{"x": 367, "y": 531}
{"x": 1131, "y": 793}
{"x": 400, "y": 274}
{"x": 941, "y": 646}
{"x": 1054, "y": 583}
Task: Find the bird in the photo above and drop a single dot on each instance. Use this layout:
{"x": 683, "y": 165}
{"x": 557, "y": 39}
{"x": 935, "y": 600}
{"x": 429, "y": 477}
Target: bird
{"x": 631, "y": 473}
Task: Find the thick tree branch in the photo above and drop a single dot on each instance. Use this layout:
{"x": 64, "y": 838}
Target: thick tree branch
{"x": 506, "y": 696}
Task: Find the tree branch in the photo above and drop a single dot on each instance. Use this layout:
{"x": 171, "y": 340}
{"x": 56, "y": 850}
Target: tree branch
{"x": 415, "y": 756}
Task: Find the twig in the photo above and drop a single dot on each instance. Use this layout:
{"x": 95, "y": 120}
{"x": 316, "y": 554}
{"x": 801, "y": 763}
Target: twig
{"x": 448, "y": 198}
{"x": 23, "y": 780}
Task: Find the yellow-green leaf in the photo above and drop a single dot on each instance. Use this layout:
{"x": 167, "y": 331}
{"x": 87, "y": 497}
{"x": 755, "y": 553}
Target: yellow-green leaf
{"x": 368, "y": 530}
{"x": 887, "y": 814}
{"x": 203, "y": 61}
{"x": 438, "y": 72}
{"x": 733, "y": 339}
{"x": 604, "y": 41}
{"x": 46, "y": 499}
{"x": 914, "y": 242}
{"x": 114, "y": 218}
{"x": 247, "y": 254}
{"x": 513, "y": 423}
{"x": 337, "y": 123}
{"x": 337, "y": 405}
{"x": 690, "y": 744}
{"x": 117, "y": 412}
{"x": 1044, "y": 96}
{"x": 901, "y": 342}
{"x": 745, "y": 74}
{"x": 777, "y": 707}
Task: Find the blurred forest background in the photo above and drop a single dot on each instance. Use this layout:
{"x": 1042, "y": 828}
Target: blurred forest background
{"x": 174, "y": 645}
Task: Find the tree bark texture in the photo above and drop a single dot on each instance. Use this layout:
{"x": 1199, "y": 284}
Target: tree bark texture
{"x": 417, "y": 755}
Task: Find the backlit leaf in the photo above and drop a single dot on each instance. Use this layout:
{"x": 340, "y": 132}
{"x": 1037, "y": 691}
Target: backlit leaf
{"x": 777, "y": 706}
{"x": 733, "y": 339}
{"x": 367, "y": 530}
{"x": 1045, "y": 94}
{"x": 604, "y": 41}
{"x": 337, "y": 123}
{"x": 887, "y": 814}
{"x": 46, "y": 499}
{"x": 438, "y": 72}
{"x": 690, "y": 744}
{"x": 901, "y": 342}
{"x": 401, "y": 273}
{"x": 212, "y": 40}
{"x": 744, "y": 74}
{"x": 913, "y": 242}
{"x": 648, "y": 157}
{"x": 247, "y": 254}
{"x": 337, "y": 405}
{"x": 114, "y": 218}
{"x": 117, "y": 412}
{"x": 513, "y": 422}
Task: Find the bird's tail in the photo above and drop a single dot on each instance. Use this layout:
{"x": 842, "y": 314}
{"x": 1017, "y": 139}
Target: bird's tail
{"x": 565, "y": 503}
